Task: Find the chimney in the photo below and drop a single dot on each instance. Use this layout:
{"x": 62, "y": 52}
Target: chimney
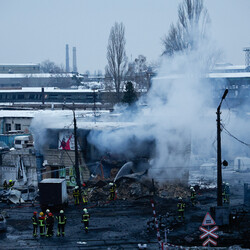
{"x": 247, "y": 56}
{"x": 74, "y": 60}
{"x": 67, "y": 58}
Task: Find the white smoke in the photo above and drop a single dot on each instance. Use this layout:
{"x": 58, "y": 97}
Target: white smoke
{"x": 177, "y": 115}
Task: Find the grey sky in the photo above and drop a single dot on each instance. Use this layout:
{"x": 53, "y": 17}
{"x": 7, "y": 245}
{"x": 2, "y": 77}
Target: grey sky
{"x": 35, "y": 30}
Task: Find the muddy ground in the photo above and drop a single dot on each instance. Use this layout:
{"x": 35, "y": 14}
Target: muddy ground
{"x": 122, "y": 224}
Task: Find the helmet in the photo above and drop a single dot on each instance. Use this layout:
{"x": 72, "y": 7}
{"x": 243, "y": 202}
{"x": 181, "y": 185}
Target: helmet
{"x": 111, "y": 184}
{"x": 76, "y": 187}
{"x": 179, "y": 198}
{"x": 41, "y": 213}
{"x": 10, "y": 180}
{"x": 35, "y": 213}
{"x": 227, "y": 184}
{"x": 61, "y": 211}
{"x": 50, "y": 214}
{"x": 47, "y": 211}
{"x": 85, "y": 210}
{"x": 192, "y": 188}
{"x": 84, "y": 184}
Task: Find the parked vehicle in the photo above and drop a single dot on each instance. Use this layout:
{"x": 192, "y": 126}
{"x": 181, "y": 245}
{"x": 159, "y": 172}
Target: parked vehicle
{"x": 53, "y": 193}
{"x": 21, "y": 141}
{"x": 3, "y": 146}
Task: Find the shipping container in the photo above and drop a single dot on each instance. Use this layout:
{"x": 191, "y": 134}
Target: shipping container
{"x": 53, "y": 193}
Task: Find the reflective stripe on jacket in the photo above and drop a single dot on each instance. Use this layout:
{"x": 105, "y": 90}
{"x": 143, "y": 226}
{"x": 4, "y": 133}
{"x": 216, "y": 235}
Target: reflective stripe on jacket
{"x": 76, "y": 193}
{"x": 61, "y": 219}
{"x": 41, "y": 221}
{"x": 181, "y": 206}
{"x": 34, "y": 220}
{"x": 85, "y": 217}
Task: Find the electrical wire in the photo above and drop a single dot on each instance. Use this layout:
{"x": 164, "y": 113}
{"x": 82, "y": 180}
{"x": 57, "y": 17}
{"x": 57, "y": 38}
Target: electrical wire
{"x": 228, "y": 116}
{"x": 228, "y": 133}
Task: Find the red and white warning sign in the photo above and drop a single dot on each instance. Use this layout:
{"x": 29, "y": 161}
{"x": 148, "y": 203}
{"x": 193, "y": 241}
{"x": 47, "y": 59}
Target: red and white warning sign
{"x": 208, "y": 220}
{"x": 209, "y": 240}
{"x": 207, "y": 232}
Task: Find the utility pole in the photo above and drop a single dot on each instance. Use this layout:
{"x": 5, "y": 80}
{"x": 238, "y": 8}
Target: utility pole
{"x": 76, "y": 154}
{"x": 94, "y": 100}
{"x": 219, "y": 174}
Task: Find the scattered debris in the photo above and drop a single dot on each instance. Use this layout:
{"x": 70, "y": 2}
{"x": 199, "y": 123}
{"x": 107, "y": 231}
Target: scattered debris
{"x": 142, "y": 246}
{"x": 81, "y": 242}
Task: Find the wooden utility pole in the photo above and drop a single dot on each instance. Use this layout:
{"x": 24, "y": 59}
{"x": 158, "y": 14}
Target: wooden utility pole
{"x": 219, "y": 173}
{"x": 78, "y": 181}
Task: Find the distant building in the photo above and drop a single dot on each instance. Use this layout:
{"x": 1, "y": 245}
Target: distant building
{"x": 19, "y": 68}
{"x": 15, "y": 120}
{"x": 36, "y": 80}
{"x": 230, "y": 68}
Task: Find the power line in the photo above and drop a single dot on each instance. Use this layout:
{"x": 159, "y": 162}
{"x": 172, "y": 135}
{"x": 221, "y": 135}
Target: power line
{"x": 227, "y": 132}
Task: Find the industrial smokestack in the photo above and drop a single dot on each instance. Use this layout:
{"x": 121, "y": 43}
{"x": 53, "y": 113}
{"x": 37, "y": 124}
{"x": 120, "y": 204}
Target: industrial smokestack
{"x": 67, "y": 58}
{"x": 74, "y": 60}
{"x": 247, "y": 56}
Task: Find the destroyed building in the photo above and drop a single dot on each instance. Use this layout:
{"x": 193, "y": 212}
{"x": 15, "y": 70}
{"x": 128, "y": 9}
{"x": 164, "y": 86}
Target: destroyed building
{"x": 55, "y": 149}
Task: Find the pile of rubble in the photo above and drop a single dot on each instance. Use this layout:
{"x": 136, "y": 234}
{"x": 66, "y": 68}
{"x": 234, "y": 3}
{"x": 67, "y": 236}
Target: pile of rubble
{"x": 173, "y": 190}
{"x": 132, "y": 188}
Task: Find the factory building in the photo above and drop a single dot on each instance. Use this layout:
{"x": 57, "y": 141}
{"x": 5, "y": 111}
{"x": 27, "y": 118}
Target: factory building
{"x": 31, "y": 68}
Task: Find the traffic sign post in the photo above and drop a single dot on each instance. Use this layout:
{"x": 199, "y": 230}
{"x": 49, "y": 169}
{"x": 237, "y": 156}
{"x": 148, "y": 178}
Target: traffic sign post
{"x": 207, "y": 232}
{"x": 208, "y": 220}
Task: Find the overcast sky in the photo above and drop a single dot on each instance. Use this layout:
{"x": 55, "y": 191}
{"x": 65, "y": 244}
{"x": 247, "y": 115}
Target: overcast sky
{"x": 35, "y": 30}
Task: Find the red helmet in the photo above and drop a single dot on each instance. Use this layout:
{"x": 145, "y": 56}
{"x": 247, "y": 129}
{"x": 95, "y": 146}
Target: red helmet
{"x": 50, "y": 214}
{"x": 84, "y": 184}
{"x": 35, "y": 213}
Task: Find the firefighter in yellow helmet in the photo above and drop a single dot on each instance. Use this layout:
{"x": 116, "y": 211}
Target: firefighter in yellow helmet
{"x": 11, "y": 183}
{"x": 41, "y": 220}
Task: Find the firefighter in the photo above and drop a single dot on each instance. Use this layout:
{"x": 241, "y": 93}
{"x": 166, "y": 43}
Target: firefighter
{"x": 47, "y": 213}
{"x": 11, "y": 183}
{"x": 181, "y": 208}
{"x": 41, "y": 220}
{"x": 85, "y": 219}
{"x": 193, "y": 196}
{"x": 84, "y": 194}
{"x": 112, "y": 191}
{"x": 5, "y": 185}
{"x": 49, "y": 225}
{"x": 35, "y": 223}
{"x": 76, "y": 194}
{"x": 61, "y": 218}
{"x": 227, "y": 193}
{"x": 223, "y": 188}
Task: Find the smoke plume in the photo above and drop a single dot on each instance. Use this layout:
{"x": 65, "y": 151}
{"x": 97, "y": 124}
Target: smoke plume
{"x": 177, "y": 116}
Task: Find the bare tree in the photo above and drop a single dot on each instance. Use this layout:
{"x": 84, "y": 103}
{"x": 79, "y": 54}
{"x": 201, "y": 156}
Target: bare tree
{"x": 116, "y": 56}
{"x": 48, "y": 66}
{"x": 190, "y": 29}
